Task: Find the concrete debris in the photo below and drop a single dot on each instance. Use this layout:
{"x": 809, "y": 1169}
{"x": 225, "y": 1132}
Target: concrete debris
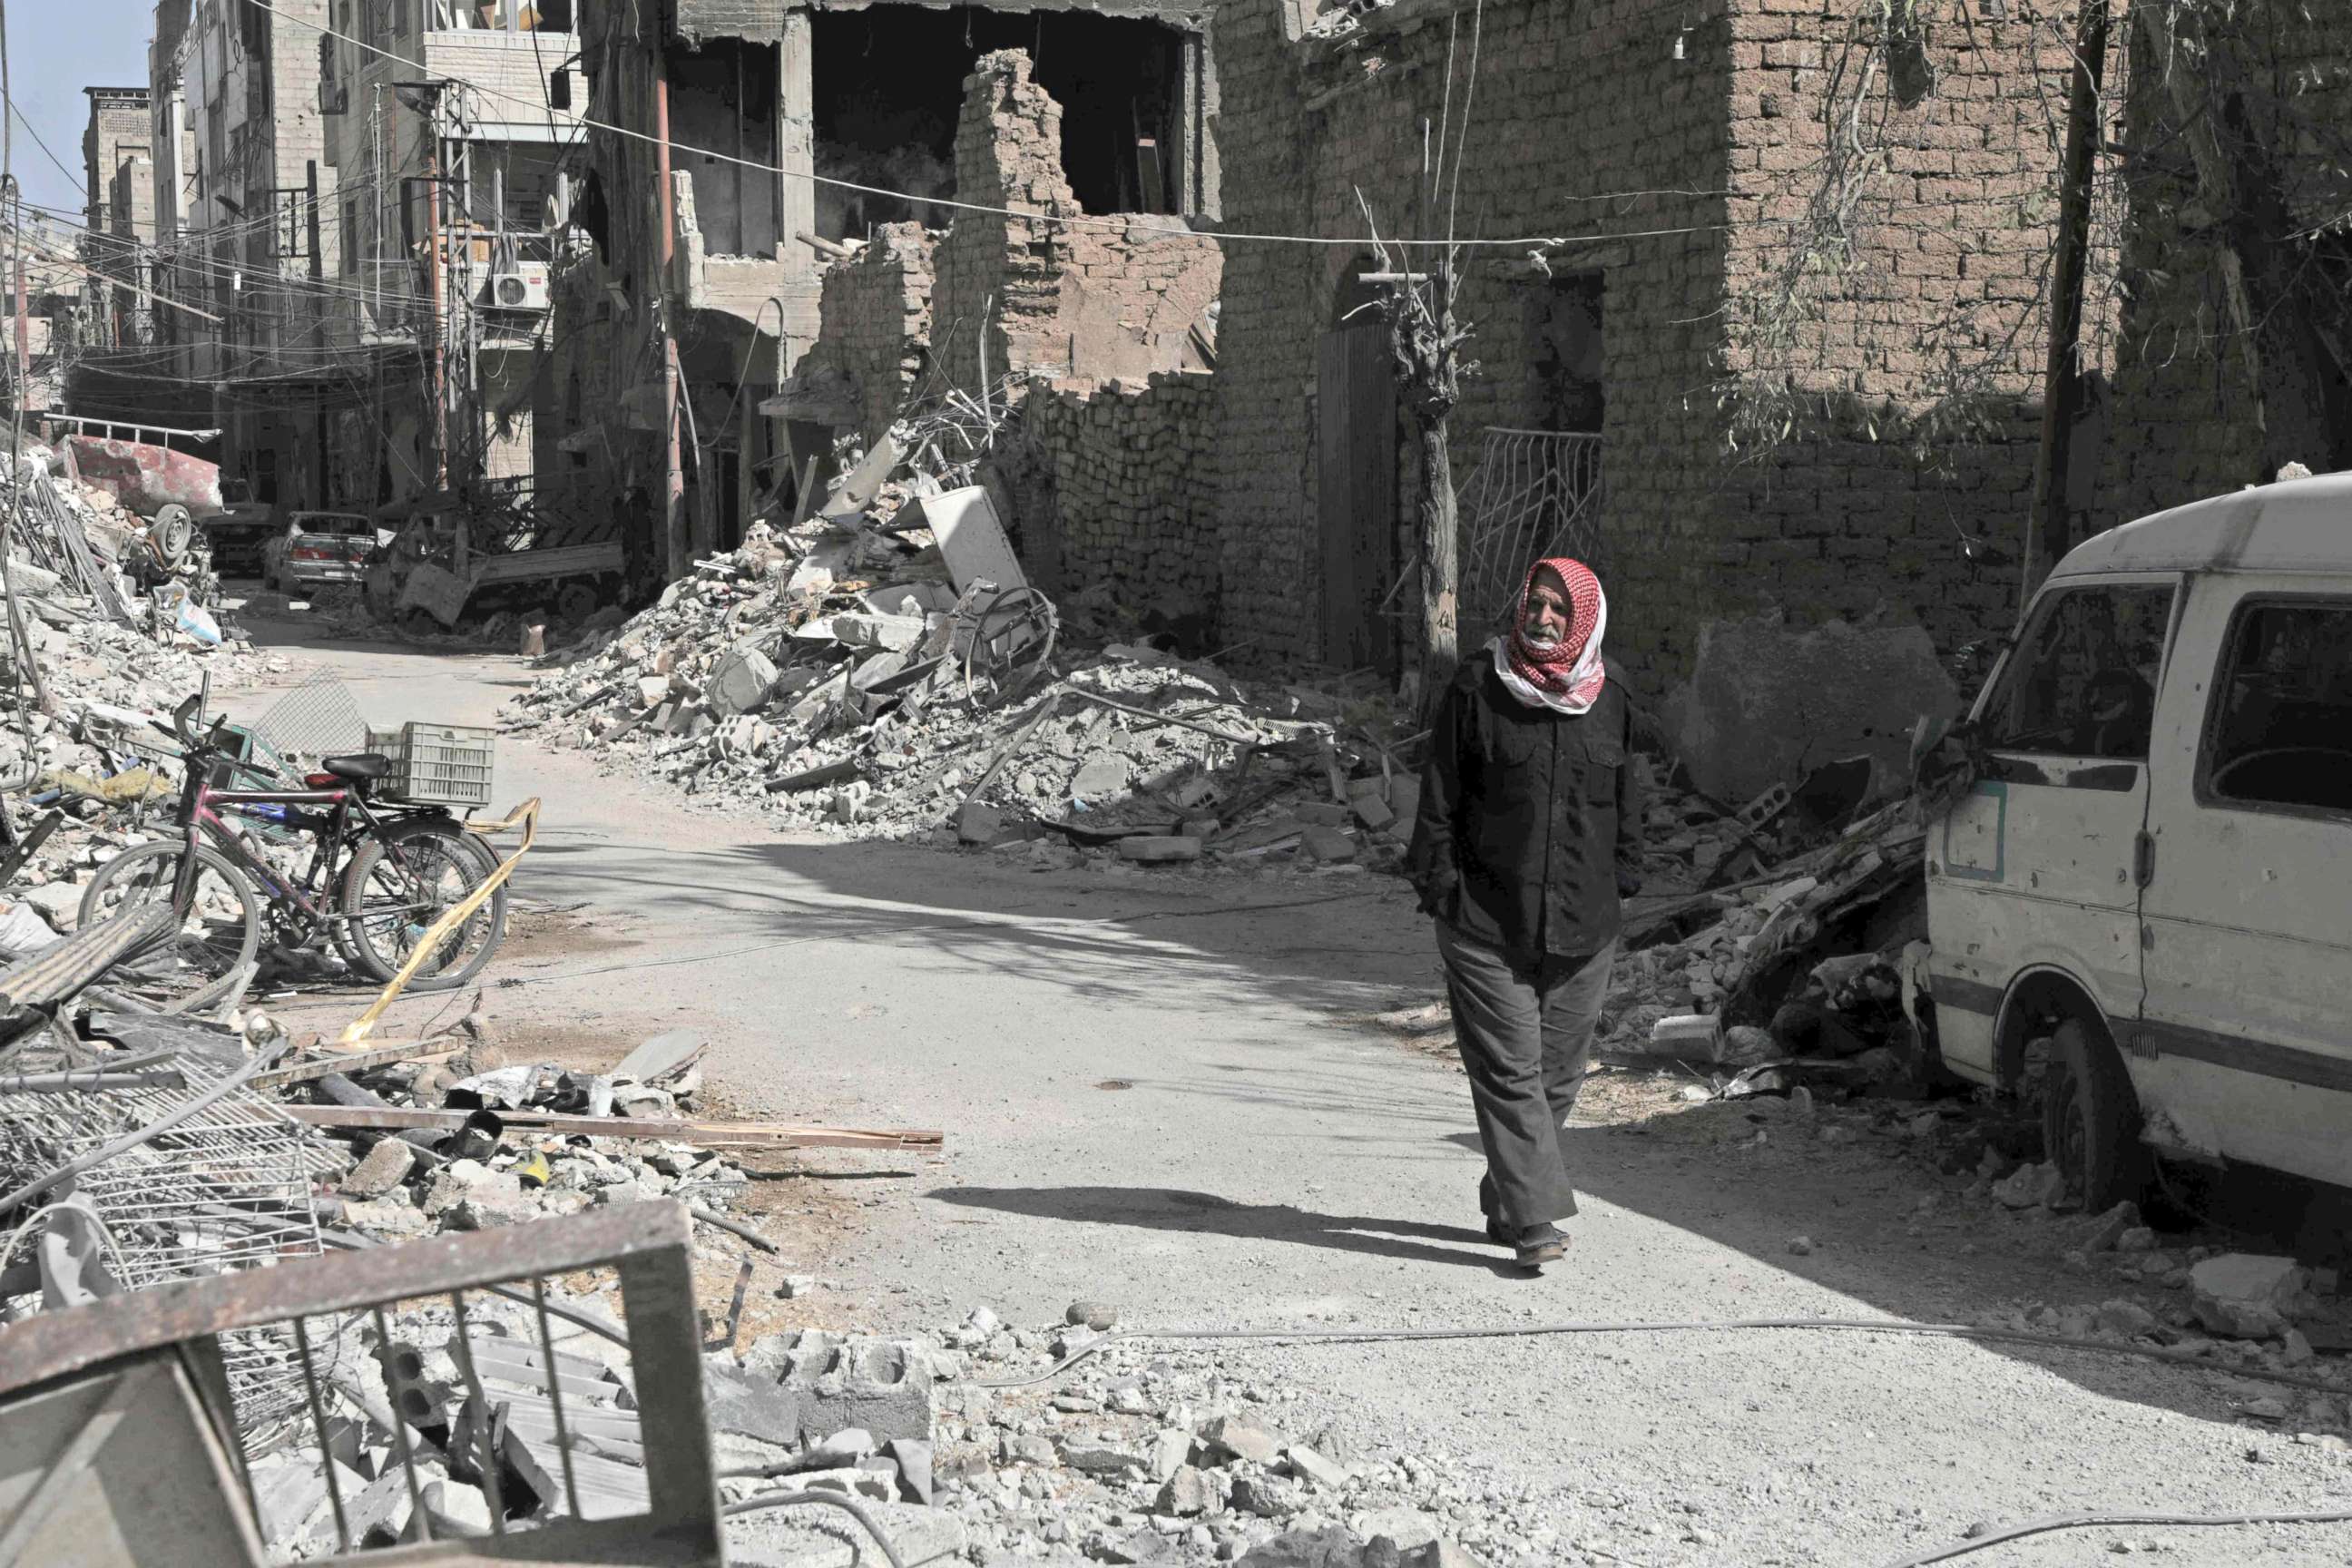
{"x": 2248, "y": 1296}
{"x": 882, "y": 670}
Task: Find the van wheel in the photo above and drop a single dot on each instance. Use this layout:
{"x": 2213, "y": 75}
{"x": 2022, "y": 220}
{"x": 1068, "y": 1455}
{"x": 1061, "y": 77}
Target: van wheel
{"x": 2090, "y": 1119}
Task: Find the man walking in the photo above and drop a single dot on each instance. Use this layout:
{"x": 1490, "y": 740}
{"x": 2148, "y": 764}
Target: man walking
{"x": 1528, "y": 831}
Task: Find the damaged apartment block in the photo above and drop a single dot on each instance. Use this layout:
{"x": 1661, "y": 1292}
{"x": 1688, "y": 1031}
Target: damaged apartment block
{"x": 750, "y": 303}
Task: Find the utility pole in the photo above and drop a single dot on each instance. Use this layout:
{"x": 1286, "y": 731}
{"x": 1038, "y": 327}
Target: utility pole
{"x": 673, "y": 473}
{"x": 440, "y": 350}
{"x": 319, "y": 490}
{"x": 2047, "y": 528}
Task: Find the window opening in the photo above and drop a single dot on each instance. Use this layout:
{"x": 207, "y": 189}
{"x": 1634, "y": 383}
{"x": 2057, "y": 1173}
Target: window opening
{"x": 2082, "y": 682}
{"x": 2281, "y": 734}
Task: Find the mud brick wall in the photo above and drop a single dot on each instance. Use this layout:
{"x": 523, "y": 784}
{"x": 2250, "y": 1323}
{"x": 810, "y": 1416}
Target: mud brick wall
{"x": 1113, "y": 297}
{"x": 1679, "y": 175}
{"x": 2200, "y": 408}
{"x": 876, "y": 314}
{"x": 1114, "y": 484}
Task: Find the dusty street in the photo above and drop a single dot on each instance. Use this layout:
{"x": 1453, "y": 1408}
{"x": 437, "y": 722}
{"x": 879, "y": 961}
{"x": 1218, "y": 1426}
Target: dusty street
{"x": 1153, "y": 1097}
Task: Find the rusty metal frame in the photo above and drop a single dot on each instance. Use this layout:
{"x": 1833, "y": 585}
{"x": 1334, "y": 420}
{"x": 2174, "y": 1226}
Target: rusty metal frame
{"x": 649, "y": 1243}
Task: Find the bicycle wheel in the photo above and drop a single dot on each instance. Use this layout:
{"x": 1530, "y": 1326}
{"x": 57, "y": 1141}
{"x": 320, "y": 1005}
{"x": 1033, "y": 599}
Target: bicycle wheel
{"x": 397, "y": 885}
{"x": 221, "y": 931}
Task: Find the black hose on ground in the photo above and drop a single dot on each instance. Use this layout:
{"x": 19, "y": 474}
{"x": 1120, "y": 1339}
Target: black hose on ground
{"x": 759, "y": 1501}
{"x": 1537, "y": 1330}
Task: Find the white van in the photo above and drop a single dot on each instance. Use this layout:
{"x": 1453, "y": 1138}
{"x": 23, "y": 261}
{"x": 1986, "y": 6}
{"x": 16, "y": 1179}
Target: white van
{"x": 2153, "y": 873}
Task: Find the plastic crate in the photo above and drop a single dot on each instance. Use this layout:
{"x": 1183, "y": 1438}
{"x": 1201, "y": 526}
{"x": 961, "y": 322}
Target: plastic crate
{"x": 447, "y": 764}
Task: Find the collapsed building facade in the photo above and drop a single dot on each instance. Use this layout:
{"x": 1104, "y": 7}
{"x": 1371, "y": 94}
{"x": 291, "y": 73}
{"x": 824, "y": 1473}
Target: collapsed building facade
{"x": 1210, "y": 421}
{"x": 725, "y": 216}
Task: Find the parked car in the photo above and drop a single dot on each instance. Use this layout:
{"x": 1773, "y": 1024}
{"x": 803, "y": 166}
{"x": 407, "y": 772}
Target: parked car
{"x": 240, "y": 530}
{"x": 2145, "y": 885}
{"x": 317, "y": 547}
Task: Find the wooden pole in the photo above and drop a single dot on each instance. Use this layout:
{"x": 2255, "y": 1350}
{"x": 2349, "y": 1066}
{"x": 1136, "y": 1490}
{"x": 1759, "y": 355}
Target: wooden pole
{"x": 2047, "y": 528}
{"x": 680, "y": 559}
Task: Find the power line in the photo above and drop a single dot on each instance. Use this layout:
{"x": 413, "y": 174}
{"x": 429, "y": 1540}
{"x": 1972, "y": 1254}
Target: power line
{"x": 1124, "y": 223}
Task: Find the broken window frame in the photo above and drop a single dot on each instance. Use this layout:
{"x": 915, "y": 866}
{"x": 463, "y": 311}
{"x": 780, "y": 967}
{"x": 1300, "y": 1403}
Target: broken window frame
{"x": 2023, "y": 656}
{"x": 2225, "y": 676}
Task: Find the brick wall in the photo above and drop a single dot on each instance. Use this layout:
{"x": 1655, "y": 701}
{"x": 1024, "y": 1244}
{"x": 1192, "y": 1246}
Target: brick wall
{"x": 1091, "y": 300}
{"x": 2201, "y": 406}
{"x": 1114, "y": 484}
{"x": 1674, "y": 143}
{"x": 876, "y": 311}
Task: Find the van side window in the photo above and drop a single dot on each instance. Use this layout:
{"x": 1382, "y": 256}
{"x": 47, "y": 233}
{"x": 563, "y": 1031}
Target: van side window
{"x": 2281, "y": 733}
{"x": 2082, "y": 682}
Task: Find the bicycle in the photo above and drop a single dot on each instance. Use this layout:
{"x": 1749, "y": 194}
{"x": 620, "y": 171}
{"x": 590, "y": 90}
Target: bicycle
{"x": 379, "y": 874}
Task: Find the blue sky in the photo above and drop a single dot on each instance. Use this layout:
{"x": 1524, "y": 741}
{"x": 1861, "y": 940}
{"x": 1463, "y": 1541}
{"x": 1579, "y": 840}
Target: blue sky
{"x": 57, "y": 48}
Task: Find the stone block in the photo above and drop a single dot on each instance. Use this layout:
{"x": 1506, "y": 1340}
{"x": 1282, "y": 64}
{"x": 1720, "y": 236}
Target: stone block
{"x": 2247, "y": 1295}
{"x": 832, "y": 1383}
{"x": 1763, "y": 698}
{"x": 1232, "y": 1437}
{"x": 1159, "y": 849}
{"x": 741, "y": 682}
{"x": 386, "y": 1167}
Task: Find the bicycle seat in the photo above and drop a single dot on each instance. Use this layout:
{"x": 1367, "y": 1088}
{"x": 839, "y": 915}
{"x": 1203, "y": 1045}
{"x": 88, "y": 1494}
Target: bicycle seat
{"x": 366, "y": 767}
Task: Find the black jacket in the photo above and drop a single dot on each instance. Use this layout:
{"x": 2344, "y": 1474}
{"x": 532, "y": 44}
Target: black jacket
{"x": 1530, "y": 823}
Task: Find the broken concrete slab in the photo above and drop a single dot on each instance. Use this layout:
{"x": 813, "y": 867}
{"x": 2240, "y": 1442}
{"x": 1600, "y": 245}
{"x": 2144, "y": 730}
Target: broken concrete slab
{"x": 1766, "y": 699}
{"x": 1230, "y": 1438}
{"x": 883, "y": 1385}
{"x": 664, "y": 1057}
{"x": 1326, "y": 845}
{"x": 1100, "y": 778}
{"x": 1332, "y": 1546}
{"x": 1158, "y": 849}
{"x": 741, "y": 682}
{"x": 2248, "y": 1296}
{"x": 386, "y": 1166}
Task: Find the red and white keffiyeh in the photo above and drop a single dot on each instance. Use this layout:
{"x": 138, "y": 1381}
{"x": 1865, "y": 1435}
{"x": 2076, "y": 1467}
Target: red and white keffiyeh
{"x": 1567, "y": 677}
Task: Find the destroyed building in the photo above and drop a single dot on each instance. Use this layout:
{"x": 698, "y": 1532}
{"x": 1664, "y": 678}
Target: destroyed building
{"x": 713, "y": 232}
{"x": 453, "y": 165}
{"x": 251, "y": 246}
{"x": 1664, "y": 163}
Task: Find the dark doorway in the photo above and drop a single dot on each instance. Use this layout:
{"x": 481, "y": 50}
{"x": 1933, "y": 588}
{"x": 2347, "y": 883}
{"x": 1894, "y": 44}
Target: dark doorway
{"x": 888, "y": 84}
{"x": 1564, "y": 323}
{"x": 1356, "y": 483}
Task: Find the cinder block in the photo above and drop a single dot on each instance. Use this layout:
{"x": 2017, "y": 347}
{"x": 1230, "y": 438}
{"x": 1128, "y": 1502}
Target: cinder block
{"x": 814, "y": 1383}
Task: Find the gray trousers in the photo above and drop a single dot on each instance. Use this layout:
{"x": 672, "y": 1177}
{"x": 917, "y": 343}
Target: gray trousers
{"x": 1524, "y": 1026}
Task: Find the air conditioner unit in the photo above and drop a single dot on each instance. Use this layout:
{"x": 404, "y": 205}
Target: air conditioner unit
{"x": 524, "y": 289}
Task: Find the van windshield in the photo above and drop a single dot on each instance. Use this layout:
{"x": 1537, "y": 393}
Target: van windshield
{"x": 2082, "y": 682}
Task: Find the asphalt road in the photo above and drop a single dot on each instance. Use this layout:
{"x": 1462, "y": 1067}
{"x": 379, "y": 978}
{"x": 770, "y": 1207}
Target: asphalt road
{"x": 1150, "y": 1099}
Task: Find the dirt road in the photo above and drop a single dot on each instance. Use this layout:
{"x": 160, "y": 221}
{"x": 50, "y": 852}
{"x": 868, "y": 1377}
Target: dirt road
{"x": 1151, "y": 1099}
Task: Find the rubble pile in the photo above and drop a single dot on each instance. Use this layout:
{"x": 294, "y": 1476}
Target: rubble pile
{"x": 1780, "y": 943}
{"x": 483, "y": 1172}
{"x": 845, "y": 680}
{"x": 1171, "y": 1454}
{"x": 111, "y": 660}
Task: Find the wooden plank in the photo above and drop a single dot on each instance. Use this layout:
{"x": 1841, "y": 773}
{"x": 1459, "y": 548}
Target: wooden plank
{"x": 357, "y": 1061}
{"x": 710, "y": 1135}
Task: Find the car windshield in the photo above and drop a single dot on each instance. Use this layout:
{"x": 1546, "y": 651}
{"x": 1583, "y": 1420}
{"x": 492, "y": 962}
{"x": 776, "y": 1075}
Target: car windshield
{"x": 326, "y": 522}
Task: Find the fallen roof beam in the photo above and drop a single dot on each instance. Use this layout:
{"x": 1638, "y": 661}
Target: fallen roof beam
{"x": 710, "y": 1135}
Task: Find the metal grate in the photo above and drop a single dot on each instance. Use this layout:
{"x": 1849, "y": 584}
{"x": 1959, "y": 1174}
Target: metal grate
{"x": 1534, "y": 493}
{"x": 541, "y": 1385}
{"x": 319, "y": 718}
{"x": 226, "y": 1189}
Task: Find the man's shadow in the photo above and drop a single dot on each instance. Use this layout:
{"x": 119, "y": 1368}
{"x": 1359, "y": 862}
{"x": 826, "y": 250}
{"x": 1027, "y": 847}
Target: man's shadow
{"x": 1204, "y": 1214}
